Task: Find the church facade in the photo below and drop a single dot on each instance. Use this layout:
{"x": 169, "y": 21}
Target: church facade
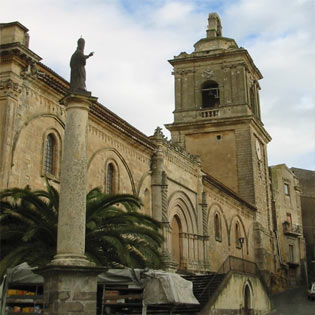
{"x": 209, "y": 185}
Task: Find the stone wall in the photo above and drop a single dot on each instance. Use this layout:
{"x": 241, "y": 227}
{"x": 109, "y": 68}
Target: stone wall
{"x": 230, "y": 296}
{"x": 230, "y": 212}
{"x": 288, "y": 220}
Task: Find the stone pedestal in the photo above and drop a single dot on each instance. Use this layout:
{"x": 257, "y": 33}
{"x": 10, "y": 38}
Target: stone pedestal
{"x": 70, "y": 289}
{"x": 72, "y": 204}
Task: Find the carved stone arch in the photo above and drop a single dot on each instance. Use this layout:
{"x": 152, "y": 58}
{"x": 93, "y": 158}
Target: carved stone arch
{"x": 145, "y": 191}
{"x": 17, "y": 135}
{"x": 183, "y": 229}
{"x": 180, "y": 200}
{"x": 141, "y": 181}
{"x": 120, "y": 157}
{"x": 208, "y": 81}
{"x": 237, "y": 218}
{"x": 216, "y": 208}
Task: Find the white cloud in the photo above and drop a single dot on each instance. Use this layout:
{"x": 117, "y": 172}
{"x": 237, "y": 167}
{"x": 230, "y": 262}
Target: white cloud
{"x": 133, "y": 40}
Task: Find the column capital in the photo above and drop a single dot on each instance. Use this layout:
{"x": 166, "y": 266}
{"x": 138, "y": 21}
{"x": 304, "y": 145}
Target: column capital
{"x": 72, "y": 97}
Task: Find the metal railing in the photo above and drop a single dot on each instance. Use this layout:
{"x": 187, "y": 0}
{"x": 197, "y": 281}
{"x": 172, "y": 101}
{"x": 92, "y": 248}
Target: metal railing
{"x": 292, "y": 228}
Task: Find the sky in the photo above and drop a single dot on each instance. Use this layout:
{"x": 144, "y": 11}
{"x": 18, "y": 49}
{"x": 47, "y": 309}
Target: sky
{"x": 134, "y": 39}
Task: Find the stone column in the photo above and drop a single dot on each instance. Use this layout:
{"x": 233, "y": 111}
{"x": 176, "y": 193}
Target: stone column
{"x": 72, "y": 204}
{"x": 70, "y": 280}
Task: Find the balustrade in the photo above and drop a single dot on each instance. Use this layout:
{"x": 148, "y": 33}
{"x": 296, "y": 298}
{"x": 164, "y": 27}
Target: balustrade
{"x": 209, "y": 113}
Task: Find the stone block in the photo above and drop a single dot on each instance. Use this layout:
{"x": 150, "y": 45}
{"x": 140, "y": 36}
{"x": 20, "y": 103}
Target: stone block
{"x": 84, "y": 296}
{"x": 74, "y": 307}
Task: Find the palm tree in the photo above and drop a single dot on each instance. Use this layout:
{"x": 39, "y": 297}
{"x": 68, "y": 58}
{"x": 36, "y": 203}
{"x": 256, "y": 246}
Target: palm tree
{"x": 117, "y": 234}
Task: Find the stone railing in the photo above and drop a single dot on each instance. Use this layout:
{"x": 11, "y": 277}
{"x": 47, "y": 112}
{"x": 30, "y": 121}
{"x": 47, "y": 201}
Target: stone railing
{"x": 158, "y": 134}
{"x": 209, "y": 113}
{"x": 238, "y": 264}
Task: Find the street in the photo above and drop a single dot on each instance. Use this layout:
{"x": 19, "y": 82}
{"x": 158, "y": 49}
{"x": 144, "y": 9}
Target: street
{"x": 292, "y": 302}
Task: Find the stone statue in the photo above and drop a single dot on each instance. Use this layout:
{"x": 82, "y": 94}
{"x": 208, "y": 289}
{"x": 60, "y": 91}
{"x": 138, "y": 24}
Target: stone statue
{"x": 77, "y": 65}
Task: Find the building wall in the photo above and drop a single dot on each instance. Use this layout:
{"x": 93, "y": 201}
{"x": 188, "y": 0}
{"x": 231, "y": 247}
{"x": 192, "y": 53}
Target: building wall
{"x": 230, "y": 213}
{"x": 307, "y": 185}
{"x": 289, "y": 227}
{"x": 231, "y": 297}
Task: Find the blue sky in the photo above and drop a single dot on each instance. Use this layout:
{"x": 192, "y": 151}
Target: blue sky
{"x": 133, "y": 39}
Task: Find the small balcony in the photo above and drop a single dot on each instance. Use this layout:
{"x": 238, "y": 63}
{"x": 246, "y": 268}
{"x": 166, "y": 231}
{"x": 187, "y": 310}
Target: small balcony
{"x": 292, "y": 229}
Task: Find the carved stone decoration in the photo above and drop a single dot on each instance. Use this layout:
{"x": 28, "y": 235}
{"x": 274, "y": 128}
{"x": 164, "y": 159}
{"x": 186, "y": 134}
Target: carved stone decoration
{"x": 9, "y": 87}
{"x": 204, "y": 214}
{"x": 30, "y": 71}
{"x": 158, "y": 133}
{"x": 164, "y": 190}
{"x": 208, "y": 74}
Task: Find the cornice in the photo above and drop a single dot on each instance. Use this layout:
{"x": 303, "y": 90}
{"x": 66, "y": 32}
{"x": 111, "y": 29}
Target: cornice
{"x": 105, "y": 115}
{"x": 197, "y": 125}
{"x": 216, "y": 55}
{"x": 19, "y": 50}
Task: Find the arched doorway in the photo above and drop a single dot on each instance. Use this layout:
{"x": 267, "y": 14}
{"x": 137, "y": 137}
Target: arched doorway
{"x": 247, "y": 300}
{"x": 176, "y": 243}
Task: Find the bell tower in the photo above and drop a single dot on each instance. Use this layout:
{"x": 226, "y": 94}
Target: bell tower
{"x": 217, "y": 116}
{"x": 217, "y": 112}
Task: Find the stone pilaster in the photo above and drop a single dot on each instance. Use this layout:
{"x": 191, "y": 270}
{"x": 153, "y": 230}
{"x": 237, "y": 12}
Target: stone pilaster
{"x": 157, "y": 169}
{"x": 9, "y": 97}
{"x": 159, "y": 187}
{"x": 72, "y": 206}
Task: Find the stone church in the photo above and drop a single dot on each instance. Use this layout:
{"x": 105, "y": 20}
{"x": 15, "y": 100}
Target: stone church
{"x": 221, "y": 206}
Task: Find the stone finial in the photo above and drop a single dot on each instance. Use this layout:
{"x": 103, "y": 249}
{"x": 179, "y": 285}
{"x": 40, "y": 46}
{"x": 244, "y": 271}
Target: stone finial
{"x": 214, "y": 26}
{"x": 158, "y": 133}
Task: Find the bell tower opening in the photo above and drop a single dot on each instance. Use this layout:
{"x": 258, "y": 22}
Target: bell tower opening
{"x": 210, "y": 95}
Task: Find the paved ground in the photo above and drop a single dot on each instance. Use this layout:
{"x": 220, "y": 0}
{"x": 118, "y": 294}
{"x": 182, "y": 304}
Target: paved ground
{"x": 292, "y": 302}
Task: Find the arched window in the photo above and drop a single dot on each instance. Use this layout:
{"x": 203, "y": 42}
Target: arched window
{"x": 247, "y": 300}
{"x": 50, "y": 155}
{"x": 210, "y": 95}
{"x": 217, "y": 227}
{"x": 176, "y": 243}
{"x": 237, "y": 235}
{"x": 110, "y": 179}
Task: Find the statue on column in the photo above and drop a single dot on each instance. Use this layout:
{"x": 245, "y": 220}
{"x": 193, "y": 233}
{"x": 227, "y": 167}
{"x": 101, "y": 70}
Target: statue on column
{"x": 77, "y": 65}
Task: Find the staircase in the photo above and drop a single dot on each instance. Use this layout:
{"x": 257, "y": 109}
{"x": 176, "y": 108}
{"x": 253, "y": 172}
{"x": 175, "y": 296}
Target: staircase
{"x": 204, "y": 287}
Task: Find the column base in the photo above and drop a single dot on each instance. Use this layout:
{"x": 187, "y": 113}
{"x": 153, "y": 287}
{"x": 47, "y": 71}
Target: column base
{"x": 71, "y": 260}
{"x": 70, "y": 289}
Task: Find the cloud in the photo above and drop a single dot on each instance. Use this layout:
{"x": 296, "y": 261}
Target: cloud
{"x": 133, "y": 40}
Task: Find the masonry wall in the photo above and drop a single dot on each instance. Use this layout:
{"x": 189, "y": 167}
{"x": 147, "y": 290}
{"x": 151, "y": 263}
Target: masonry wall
{"x": 231, "y": 297}
{"x": 230, "y": 213}
{"x": 289, "y": 228}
